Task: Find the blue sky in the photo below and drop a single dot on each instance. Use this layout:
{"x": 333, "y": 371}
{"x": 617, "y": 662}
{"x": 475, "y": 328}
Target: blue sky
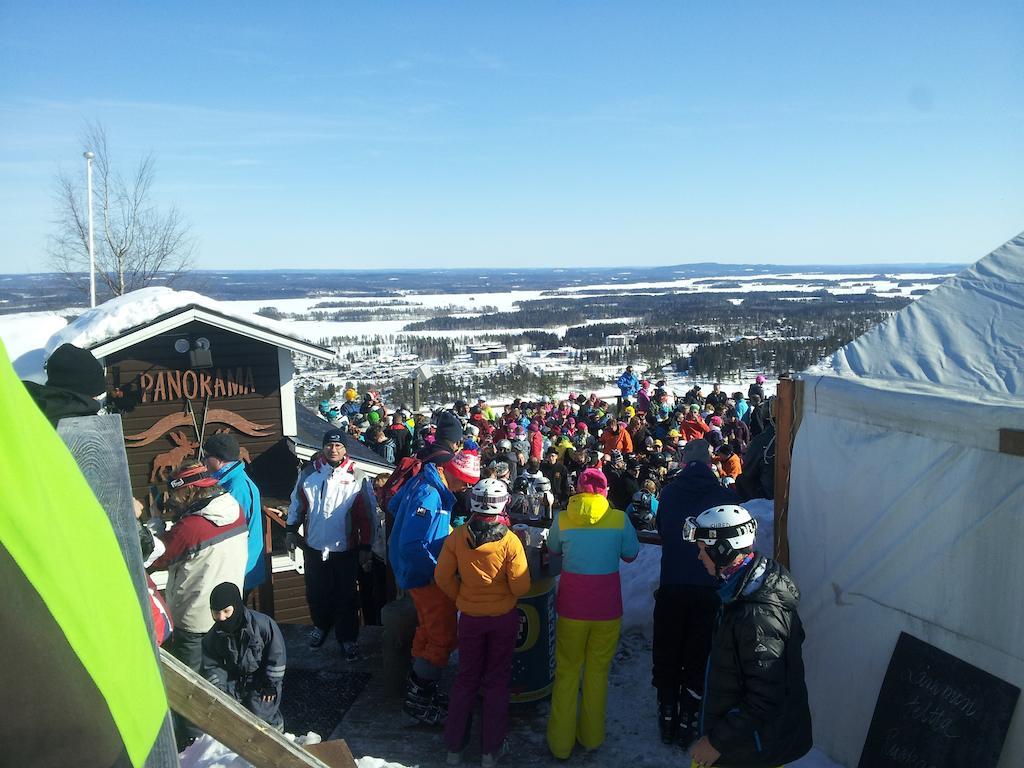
{"x": 530, "y": 133}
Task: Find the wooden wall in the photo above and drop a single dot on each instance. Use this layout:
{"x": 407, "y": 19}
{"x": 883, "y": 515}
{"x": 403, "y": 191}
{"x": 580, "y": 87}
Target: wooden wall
{"x": 229, "y": 351}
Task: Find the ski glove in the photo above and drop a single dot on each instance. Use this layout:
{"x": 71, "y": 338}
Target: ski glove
{"x": 292, "y": 540}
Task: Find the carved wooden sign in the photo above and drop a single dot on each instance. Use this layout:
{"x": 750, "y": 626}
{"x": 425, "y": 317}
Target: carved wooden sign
{"x": 161, "y": 385}
{"x": 214, "y": 416}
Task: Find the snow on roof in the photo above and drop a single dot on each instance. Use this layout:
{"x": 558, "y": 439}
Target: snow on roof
{"x": 25, "y": 335}
{"x": 137, "y": 308}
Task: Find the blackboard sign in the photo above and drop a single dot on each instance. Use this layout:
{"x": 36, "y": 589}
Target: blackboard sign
{"x": 937, "y": 711}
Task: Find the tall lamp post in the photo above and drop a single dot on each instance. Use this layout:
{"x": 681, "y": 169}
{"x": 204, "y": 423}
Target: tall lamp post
{"x": 92, "y": 254}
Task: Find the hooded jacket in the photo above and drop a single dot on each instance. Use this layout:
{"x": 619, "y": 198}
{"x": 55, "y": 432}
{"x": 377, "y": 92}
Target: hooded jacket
{"x": 485, "y": 576}
{"x": 422, "y": 522}
{"x": 616, "y": 441}
{"x": 206, "y": 546}
{"x": 252, "y": 660}
{"x": 58, "y": 403}
{"x": 755, "y": 709}
{"x": 693, "y": 490}
{"x": 236, "y": 482}
{"x": 592, "y": 538}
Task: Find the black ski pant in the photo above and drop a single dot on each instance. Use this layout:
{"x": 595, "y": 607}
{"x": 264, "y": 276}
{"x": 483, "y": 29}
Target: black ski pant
{"x": 684, "y": 619}
{"x": 332, "y": 593}
{"x": 373, "y": 591}
{"x": 186, "y": 647}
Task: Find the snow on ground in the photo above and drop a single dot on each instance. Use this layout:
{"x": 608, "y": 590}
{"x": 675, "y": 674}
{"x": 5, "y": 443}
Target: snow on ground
{"x": 25, "y": 336}
{"x": 207, "y": 752}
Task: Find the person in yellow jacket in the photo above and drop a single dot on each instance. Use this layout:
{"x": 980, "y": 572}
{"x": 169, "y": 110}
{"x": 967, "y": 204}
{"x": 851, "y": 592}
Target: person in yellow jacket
{"x": 592, "y": 537}
{"x": 482, "y": 567}
{"x": 80, "y": 678}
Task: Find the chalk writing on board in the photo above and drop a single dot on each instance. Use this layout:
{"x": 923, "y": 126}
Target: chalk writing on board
{"x": 947, "y": 693}
{"x": 900, "y": 753}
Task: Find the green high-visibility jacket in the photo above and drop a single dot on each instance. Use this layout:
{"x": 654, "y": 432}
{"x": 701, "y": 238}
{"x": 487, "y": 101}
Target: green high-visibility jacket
{"x": 81, "y": 684}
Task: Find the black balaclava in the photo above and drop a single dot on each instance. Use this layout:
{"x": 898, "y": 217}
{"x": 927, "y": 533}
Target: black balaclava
{"x": 224, "y": 594}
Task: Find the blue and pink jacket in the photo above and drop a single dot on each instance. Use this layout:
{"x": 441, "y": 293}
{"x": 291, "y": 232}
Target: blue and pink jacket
{"x": 592, "y": 538}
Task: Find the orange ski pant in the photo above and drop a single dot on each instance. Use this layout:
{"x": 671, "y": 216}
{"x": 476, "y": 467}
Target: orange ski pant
{"x": 437, "y": 634}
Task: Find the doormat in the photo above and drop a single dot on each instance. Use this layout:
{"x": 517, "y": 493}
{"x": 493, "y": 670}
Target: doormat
{"x": 316, "y": 699}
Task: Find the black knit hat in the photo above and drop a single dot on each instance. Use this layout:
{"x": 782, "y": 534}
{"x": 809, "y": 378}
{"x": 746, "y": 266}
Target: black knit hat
{"x": 70, "y": 367}
{"x": 334, "y": 436}
{"x": 449, "y": 428}
{"x": 222, "y": 446}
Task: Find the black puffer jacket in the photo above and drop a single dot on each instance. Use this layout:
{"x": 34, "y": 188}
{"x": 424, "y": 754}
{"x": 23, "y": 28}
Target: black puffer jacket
{"x": 252, "y": 660}
{"x": 755, "y": 709}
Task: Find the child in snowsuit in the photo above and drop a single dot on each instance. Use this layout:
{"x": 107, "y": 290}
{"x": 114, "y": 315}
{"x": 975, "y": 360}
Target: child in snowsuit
{"x": 482, "y": 567}
{"x": 244, "y": 655}
{"x": 592, "y": 538}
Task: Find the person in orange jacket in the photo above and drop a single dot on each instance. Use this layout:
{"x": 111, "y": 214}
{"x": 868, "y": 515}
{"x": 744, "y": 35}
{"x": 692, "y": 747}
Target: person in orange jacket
{"x": 482, "y": 567}
{"x": 693, "y": 427}
{"x": 616, "y": 438}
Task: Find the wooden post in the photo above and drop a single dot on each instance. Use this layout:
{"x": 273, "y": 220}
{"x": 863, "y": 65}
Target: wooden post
{"x": 233, "y": 725}
{"x": 97, "y": 444}
{"x": 266, "y": 589}
{"x": 785, "y": 431}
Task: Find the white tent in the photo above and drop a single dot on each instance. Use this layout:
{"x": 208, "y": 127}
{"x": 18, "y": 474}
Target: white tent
{"x": 904, "y": 515}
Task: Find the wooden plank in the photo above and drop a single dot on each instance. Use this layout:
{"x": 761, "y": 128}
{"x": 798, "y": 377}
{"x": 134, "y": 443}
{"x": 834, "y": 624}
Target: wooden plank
{"x": 785, "y": 422}
{"x": 230, "y": 723}
{"x": 97, "y": 444}
{"x": 1011, "y": 441}
{"x": 335, "y": 753}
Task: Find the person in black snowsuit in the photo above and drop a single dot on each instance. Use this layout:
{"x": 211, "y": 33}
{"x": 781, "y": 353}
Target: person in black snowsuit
{"x": 244, "y": 655}
{"x": 686, "y": 600}
{"x": 755, "y": 711}
{"x": 558, "y": 475}
{"x": 758, "y": 478}
{"x": 74, "y": 379}
{"x": 716, "y": 397}
{"x": 401, "y": 435}
{"x": 759, "y": 417}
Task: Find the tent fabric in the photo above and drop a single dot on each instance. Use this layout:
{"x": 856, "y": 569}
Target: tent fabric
{"x": 904, "y": 515}
{"x": 964, "y": 335}
{"x": 54, "y": 530}
{"x": 892, "y": 531}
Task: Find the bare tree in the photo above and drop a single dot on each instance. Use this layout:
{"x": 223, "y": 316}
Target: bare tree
{"x": 136, "y": 244}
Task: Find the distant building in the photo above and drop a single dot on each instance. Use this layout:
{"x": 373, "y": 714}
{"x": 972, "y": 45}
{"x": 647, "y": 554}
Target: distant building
{"x": 487, "y": 353}
{"x": 618, "y": 340}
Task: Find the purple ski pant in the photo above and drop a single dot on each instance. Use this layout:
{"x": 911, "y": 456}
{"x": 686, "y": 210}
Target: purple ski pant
{"x": 485, "y": 666}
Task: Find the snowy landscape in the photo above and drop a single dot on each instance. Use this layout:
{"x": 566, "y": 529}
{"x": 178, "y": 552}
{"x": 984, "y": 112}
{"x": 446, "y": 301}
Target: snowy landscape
{"x": 375, "y": 353}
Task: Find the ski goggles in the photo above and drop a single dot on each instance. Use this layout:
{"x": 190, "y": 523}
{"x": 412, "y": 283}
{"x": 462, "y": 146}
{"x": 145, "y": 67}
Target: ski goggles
{"x": 690, "y": 530}
{"x": 694, "y": 533}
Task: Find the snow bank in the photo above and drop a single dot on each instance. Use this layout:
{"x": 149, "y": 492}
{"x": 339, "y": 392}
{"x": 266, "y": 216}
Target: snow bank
{"x": 137, "y": 308}
{"x": 207, "y": 752}
{"x": 639, "y": 580}
{"x": 25, "y": 336}
{"x": 763, "y": 511}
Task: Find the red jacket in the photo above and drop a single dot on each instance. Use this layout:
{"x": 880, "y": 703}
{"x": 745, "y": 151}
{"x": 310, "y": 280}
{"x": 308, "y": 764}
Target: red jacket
{"x": 693, "y": 429}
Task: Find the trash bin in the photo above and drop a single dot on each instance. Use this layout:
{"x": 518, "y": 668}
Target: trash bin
{"x": 533, "y": 660}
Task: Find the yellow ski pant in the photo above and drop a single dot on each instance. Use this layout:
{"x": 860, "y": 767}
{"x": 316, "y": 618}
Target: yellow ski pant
{"x": 588, "y": 646}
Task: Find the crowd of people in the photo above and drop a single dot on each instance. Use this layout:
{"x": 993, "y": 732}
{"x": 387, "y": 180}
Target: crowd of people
{"x": 594, "y": 474}
{"x": 596, "y": 477}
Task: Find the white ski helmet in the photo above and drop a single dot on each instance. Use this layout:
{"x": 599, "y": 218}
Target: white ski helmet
{"x": 725, "y": 530}
{"x": 488, "y": 497}
{"x": 504, "y": 445}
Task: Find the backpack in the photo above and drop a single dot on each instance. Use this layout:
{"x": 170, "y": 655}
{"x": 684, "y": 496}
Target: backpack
{"x": 407, "y": 469}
